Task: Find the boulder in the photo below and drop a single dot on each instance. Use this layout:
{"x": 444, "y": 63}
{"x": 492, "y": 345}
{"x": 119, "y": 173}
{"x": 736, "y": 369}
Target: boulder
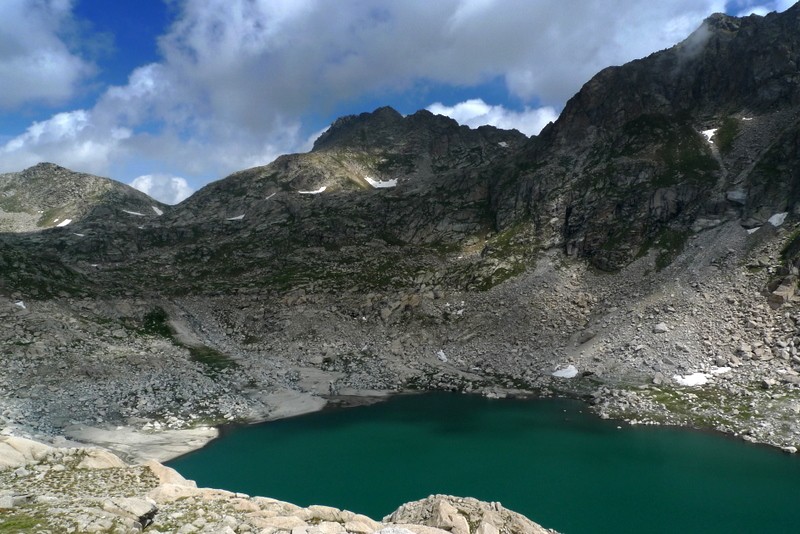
{"x": 140, "y": 510}
{"x": 16, "y": 452}
{"x": 100, "y": 459}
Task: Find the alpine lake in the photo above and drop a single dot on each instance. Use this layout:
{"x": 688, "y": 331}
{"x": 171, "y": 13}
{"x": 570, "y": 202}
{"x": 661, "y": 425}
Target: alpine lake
{"x": 549, "y": 459}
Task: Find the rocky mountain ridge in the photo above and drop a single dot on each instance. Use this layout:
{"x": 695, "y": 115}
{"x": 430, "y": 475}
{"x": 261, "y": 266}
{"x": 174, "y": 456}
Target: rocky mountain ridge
{"x": 644, "y": 248}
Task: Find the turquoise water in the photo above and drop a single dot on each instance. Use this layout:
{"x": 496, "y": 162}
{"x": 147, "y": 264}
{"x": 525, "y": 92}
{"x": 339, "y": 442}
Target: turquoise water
{"x": 548, "y": 459}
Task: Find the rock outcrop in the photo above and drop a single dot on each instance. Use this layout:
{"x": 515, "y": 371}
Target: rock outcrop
{"x": 52, "y": 489}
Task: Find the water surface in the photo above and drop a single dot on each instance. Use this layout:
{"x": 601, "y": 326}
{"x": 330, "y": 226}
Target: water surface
{"x": 548, "y": 459}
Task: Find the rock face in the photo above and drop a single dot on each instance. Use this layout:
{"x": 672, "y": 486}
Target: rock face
{"x": 50, "y": 489}
{"x": 648, "y": 152}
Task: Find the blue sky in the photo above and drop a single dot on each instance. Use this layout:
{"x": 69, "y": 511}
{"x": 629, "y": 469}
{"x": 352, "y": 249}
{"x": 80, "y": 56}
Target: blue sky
{"x": 170, "y": 94}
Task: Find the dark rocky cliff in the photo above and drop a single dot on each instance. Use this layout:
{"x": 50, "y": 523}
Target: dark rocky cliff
{"x": 627, "y": 165}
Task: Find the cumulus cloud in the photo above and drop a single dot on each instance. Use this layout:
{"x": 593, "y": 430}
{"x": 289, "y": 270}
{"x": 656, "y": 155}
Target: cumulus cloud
{"x": 72, "y": 139}
{"x": 162, "y": 187}
{"x": 238, "y": 79}
{"x": 475, "y": 112}
{"x": 35, "y": 63}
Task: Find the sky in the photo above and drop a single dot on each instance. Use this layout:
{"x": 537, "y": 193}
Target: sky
{"x": 168, "y": 95}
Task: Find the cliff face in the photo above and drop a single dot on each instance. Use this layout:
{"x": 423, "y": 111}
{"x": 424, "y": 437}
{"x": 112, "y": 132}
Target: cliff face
{"x": 669, "y": 144}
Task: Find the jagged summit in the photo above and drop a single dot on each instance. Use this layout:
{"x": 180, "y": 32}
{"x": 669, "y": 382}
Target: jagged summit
{"x": 651, "y": 151}
{"x": 344, "y": 129}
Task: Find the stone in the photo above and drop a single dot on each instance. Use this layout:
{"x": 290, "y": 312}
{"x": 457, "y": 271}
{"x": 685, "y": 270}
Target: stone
{"x": 100, "y": 459}
{"x": 167, "y": 475}
{"x": 660, "y": 328}
{"x": 361, "y": 524}
{"x": 7, "y": 502}
{"x": 16, "y": 452}
{"x": 140, "y": 510}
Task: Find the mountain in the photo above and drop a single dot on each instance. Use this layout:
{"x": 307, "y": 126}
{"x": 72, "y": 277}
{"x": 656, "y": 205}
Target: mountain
{"x": 642, "y": 253}
{"x": 46, "y": 195}
{"x": 646, "y": 153}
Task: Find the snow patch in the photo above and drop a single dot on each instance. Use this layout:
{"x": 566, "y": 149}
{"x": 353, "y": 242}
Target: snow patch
{"x": 378, "y": 184}
{"x": 569, "y": 371}
{"x": 134, "y": 213}
{"x": 237, "y": 218}
{"x": 64, "y": 223}
{"x": 158, "y": 211}
{"x": 19, "y": 304}
{"x": 441, "y": 355}
{"x": 720, "y": 370}
{"x": 269, "y": 197}
{"x": 79, "y": 235}
{"x": 753, "y": 230}
{"x": 778, "y": 218}
{"x": 709, "y": 134}
{"x": 694, "y": 379}
{"x": 747, "y": 118}
{"x": 503, "y": 144}
{"x": 314, "y": 192}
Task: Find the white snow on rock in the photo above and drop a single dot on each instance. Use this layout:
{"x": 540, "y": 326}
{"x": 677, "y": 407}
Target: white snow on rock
{"x": 441, "y": 355}
{"x": 720, "y": 370}
{"x": 503, "y": 144}
{"x": 694, "y": 379}
{"x": 778, "y": 218}
{"x": 134, "y": 213}
{"x": 747, "y": 118}
{"x": 709, "y": 134}
{"x": 237, "y": 218}
{"x": 158, "y": 211}
{"x": 79, "y": 235}
{"x": 569, "y": 371}
{"x": 378, "y": 184}
{"x": 314, "y": 192}
{"x": 19, "y": 304}
{"x": 64, "y": 223}
{"x": 269, "y": 197}
{"x": 753, "y": 230}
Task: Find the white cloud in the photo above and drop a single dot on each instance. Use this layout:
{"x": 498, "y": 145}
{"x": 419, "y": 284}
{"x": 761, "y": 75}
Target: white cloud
{"x": 475, "y": 112}
{"x": 167, "y": 189}
{"x": 72, "y": 139}
{"x": 748, "y": 7}
{"x": 35, "y": 63}
{"x": 237, "y": 77}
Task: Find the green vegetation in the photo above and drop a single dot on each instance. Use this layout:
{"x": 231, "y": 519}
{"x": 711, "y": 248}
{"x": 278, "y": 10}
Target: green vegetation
{"x": 726, "y": 134}
{"x": 672, "y": 142}
{"x": 156, "y": 323}
{"x": 19, "y": 523}
{"x": 791, "y": 249}
{"x": 213, "y": 359}
{"x": 671, "y": 244}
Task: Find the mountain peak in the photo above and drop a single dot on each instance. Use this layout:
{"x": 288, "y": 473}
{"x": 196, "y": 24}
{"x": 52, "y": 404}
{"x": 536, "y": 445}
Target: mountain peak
{"x": 354, "y": 127}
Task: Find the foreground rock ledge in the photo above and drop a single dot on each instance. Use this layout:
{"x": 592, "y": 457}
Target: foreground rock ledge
{"x": 50, "y": 489}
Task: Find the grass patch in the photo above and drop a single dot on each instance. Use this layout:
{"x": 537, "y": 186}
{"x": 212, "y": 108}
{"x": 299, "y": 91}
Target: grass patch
{"x": 671, "y": 243}
{"x": 156, "y": 323}
{"x": 214, "y": 360}
{"x": 726, "y": 134}
{"x": 20, "y": 523}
